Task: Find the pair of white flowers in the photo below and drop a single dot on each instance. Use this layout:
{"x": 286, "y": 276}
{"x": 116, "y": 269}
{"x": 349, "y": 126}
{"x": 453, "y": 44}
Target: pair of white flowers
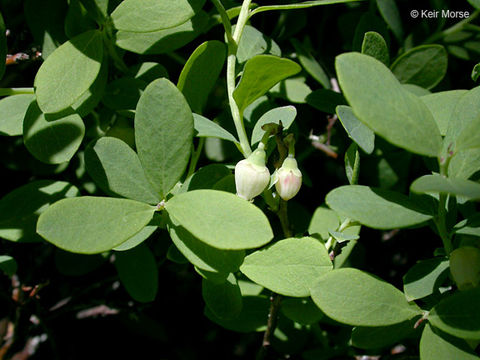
{"x": 252, "y": 176}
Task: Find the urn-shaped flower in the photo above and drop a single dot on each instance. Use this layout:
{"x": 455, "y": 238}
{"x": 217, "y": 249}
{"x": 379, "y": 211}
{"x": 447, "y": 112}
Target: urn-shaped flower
{"x": 251, "y": 174}
{"x": 289, "y": 179}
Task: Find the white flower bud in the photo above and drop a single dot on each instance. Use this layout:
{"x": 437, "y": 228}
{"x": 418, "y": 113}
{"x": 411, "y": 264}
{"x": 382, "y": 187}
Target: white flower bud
{"x": 251, "y": 174}
{"x": 289, "y": 179}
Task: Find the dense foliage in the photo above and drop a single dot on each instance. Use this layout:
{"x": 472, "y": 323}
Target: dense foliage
{"x": 237, "y": 180}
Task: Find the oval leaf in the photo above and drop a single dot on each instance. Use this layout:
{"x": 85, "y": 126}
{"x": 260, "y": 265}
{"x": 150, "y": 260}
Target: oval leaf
{"x": 74, "y": 66}
{"x": 285, "y": 114}
{"x": 354, "y": 297}
{"x": 221, "y": 219}
{"x": 439, "y": 184}
{"x": 153, "y": 15}
{"x": 458, "y": 315}
{"x": 424, "y": 66}
{"x": 442, "y": 105}
{"x": 19, "y": 209}
{"x": 375, "y": 208}
{"x": 289, "y": 267}
{"x": 163, "y": 134}
{"x": 425, "y": 278}
{"x": 115, "y": 167}
{"x": 52, "y": 142}
{"x": 138, "y": 272}
{"x": 137, "y": 239}
{"x": 260, "y": 74}
{"x": 374, "y": 45}
{"x": 89, "y": 225}
{"x": 201, "y": 72}
{"x": 356, "y": 130}
{"x": 223, "y": 299}
{"x": 207, "y": 128}
{"x": 379, "y": 100}
{"x": 13, "y": 109}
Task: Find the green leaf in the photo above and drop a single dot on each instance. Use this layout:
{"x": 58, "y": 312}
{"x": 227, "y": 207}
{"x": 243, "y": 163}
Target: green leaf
{"x": 354, "y": 297}
{"x": 469, "y": 138}
{"x": 289, "y": 267}
{"x": 326, "y": 100}
{"x": 137, "y": 239}
{"x": 389, "y": 11}
{"x": 439, "y": 184}
{"x": 20, "y": 209}
{"x": 311, "y": 65}
{"x": 207, "y": 128}
{"x": 343, "y": 236}
{"x": 285, "y": 114}
{"x": 8, "y": 265}
{"x": 464, "y": 164}
{"x": 300, "y": 5}
{"x": 224, "y": 299}
{"x": 74, "y": 66}
{"x": 469, "y": 226}
{"x": 201, "y": 255}
{"x": 254, "y": 42}
{"x": 301, "y": 310}
{"x": 475, "y": 3}
{"x": 476, "y": 70}
{"x": 200, "y": 73}
{"x": 123, "y": 93}
{"x": 374, "y": 45}
{"x": 115, "y": 167}
{"x": 442, "y": 105}
{"x": 3, "y": 46}
{"x": 163, "y": 134}
{"x": 416, "y": 90}
{"x": 206, "y": 177}
{"x": 356, "y": 130}
{"x": 163, "y": 41}
{"x": 352, "y": 164}
{"x": 138, "y": 273}
{"x": 379, "y": 337}
{"x": 368, "y": 22}
{"x": 153, "y": 15}
{"x": 376, "y": 208}
{"x": 77, "y": 20}
{"x": 251, "y": 318}
{"x": 89, "y": 225}
{"x": 294, "y": 90}
{"x": 52, "y": 142}
{"x": 148, "y": 71}
{"x": 221, "y": 219}
{"x": 424, "y": 278}
{"x": 323, "y": 221}
{"x": 260, "y": 74}
{"x": 13, "y": 109}
{"x": 458, "y": 315}
{"x": 434, "y": 346}
{"x": 424, "y": 65}
{"x": 378, "y": 100}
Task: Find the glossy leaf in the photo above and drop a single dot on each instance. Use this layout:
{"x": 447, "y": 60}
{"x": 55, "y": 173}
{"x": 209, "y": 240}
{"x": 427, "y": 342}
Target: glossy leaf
{"x": 458, "y": 314}
{"x": 289, "y": 267}
{"x": 201, "y": 72}
{"x": 223, "y": 299}
{"x": 441, "y": 105}
{"x": 374, "y": 45}
{"x": 424, "y": 66}
{"x": 201, "y": 255}
{"x": 52, "y": 142}
{"x": 356, "y": 130}
{"x": 356, "y": 298}
{"x": 153, "y": 15}
{"x": 260, "y": 74}
{"x": 115, "y": 167}
{"x": 163, "y": 41}
{"x": 376, "y": 208}
{"x": 285, "y": 114}
{"x": 163, "y": 134}
{"x": 89, "y": 225}
{"x": 389, "y": 11}
{"x": 254, "y": 42}
{"x": 21, "y": 208}
{"x": 434, "y": 346}
{"x": 207, "y": 128}
{"x": 3, "y": 46}
{"x": 378, "y": 100}
{"x": 74, "y": 66}
{"x": 13, "y": 109}
{"x": 424, "y": 278}
{"x": 243, "y": 225}
{"x": 311, "y": 65}
{"x": 138, "y": 273}
{"x": 439, "y": 184}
